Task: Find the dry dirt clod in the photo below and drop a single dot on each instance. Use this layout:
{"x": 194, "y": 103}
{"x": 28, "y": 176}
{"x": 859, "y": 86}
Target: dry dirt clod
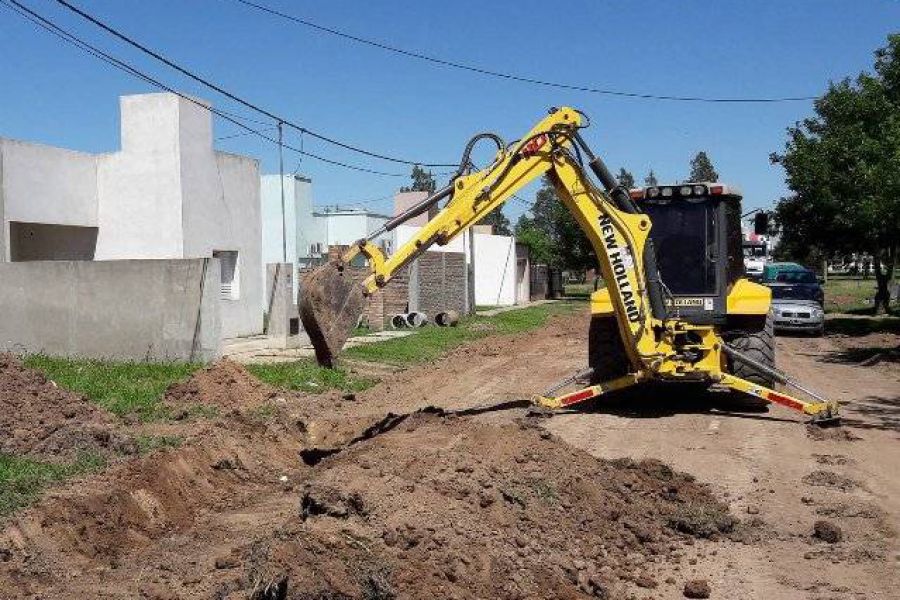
{"x": 43, "y": 421}
{"x": 697, "y": 588}
{"x": 827, "y": 532}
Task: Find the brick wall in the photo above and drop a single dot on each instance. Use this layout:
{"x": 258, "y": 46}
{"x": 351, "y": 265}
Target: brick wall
{"x": 386, "y": 302}
{"x": 441, "y": 282}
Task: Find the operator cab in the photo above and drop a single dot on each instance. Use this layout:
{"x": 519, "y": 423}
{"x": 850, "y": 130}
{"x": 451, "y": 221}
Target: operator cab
{"x": 697, "y": 235}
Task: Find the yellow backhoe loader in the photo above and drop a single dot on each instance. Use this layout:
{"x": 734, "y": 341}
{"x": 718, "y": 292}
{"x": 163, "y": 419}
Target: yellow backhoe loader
{"x": 687, "y": 317}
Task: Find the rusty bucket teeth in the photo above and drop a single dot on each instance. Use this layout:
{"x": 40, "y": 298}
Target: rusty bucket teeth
{"x": 330, "y": 303}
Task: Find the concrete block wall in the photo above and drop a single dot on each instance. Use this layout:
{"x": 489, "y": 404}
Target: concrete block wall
{"x": 386, "y": 302}
{"x": 439, "y": 283}
{"x": 155, "y": 310}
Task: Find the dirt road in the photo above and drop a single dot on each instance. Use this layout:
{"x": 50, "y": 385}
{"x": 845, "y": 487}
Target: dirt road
{"x": 215, "y": 517}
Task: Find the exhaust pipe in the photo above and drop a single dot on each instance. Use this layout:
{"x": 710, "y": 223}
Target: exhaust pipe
{"x": 399, "y": 322}
{"x": 417, "y": 319}
{"x": 446, "y": 319}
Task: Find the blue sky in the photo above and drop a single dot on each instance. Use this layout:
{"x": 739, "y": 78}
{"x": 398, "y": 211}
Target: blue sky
{"x": 53, "y": 93}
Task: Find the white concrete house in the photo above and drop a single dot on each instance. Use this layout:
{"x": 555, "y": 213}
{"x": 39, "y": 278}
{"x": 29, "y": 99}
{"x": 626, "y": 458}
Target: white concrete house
{"x": 343, "y": 226}
{"x": 167, "y": 193}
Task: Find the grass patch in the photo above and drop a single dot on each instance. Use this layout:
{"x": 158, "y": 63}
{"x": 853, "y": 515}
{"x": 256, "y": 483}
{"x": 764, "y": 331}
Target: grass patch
{"x": 23, "y": 479}
{"x": 263, "y": 413}
{"x": 431, "y": 342}
{"x": 123, "y": 388}
{"x": 149, "y": 443}
{"x": 307, "y": 376}
{"x": 850, "y": 295}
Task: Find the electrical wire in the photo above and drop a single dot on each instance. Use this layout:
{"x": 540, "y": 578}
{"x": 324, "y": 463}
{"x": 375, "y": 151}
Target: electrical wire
{"x": 242, "y": 134}
{"x": 71, "y": 39}
{"x": 510, "y": 76}
{"x": 203, "y": 81}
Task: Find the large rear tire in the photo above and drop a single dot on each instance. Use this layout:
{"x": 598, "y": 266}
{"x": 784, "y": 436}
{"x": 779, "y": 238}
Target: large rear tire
{"x": 606, "y": 353}
{"x": 760, "y": 346}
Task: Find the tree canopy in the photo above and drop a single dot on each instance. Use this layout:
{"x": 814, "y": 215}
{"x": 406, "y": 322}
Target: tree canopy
{"x": 843, "y": 167}
{"x": 499, "y": 221}
{"x": 702, "y": 168}
{"x": 553, "y": 234}
{"x": 650, "y": 179}
{"x": 625, "y": 178}
{"x": 422, "y": 181}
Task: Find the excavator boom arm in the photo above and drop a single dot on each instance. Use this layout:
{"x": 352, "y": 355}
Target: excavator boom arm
{"x": 619, "y": 238}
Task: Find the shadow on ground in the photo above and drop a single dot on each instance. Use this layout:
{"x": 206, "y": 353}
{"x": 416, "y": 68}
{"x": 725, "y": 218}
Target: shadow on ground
{"x": 852, "y": 326}
{"x": 654, "y": 402}
{"x": 878, "y": 413}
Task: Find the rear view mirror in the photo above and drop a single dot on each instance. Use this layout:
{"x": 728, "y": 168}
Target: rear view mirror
{"x": 761, "y": 223}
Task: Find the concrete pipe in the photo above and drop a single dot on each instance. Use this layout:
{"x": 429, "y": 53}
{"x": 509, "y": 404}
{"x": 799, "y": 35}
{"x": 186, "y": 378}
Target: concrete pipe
{"x": 399, "y": 322}
{"x": 417, "y": 319}
{"x": 446, "y": 319}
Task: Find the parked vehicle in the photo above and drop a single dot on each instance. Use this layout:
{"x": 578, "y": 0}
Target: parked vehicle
{"x": 771, "y": 270}
{"x": 797, "y": 300}
{"x": 755, "y": 258}
{"x": 798, "y": 315}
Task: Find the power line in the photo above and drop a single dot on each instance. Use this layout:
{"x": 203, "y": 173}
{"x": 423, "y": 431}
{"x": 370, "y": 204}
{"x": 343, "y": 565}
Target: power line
{"x": 235, "y": 98}
{"x": 510, "y": 76}
{"x": 242, "y": 134}
{"x": 74, "y": 40}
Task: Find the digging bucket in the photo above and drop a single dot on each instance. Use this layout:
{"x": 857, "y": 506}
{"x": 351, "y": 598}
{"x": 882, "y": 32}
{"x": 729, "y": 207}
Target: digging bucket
{"x": 330, "y": 302}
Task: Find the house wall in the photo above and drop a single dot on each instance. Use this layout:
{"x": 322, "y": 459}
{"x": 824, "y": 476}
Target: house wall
{"x": 168, "y": 194}
{"x": 298, "y": 220}
{"x": 140, "y": 187}
{"x": 43, "y": 184}
{"x": 125, "y": 309}
{"x": 495, "y": 270}
{"x": 239, "y": 228}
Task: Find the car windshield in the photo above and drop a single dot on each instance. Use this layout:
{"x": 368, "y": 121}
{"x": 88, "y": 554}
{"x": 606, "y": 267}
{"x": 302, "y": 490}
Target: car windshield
{"x": 796, "y": 277}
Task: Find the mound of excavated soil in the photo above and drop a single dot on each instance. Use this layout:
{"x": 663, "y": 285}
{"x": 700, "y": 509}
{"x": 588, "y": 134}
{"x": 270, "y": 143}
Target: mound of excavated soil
{"x": 224, "y": 384}
{"x": 40, "y": 420}
{"x": 443, "y": 507}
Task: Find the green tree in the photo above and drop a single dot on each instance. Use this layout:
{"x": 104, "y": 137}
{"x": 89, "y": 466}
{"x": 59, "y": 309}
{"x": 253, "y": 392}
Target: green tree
{"x": 554, "y": 229}
{"x": 539, "y": 244}
{"x": 499, "y": 221}
{"x": 702, "y": 168}
{"x": 626, "y": 179}
{"x": 650, "y": 179}
{"x": 422, "y": 181}
{"x": 843, "y": 167}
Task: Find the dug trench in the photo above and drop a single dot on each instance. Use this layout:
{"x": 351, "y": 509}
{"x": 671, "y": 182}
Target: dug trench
{"x": 450, "y": 503}
{"x": 285, "y": 495}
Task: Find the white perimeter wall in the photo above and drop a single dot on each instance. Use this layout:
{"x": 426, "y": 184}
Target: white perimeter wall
{"x": 495, "y": 276}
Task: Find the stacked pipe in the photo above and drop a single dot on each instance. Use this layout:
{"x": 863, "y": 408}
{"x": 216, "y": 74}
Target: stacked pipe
{"x": 415, "y": 319}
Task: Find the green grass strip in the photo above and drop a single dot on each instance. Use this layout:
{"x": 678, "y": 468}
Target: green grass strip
{"x": 122, "y": 388}
{"x": 23, "y": 479}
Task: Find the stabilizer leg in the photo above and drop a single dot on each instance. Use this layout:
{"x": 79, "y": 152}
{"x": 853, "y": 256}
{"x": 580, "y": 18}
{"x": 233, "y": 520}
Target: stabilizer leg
{"x": 585, "y": 394}
{"x": 823, "y": 412}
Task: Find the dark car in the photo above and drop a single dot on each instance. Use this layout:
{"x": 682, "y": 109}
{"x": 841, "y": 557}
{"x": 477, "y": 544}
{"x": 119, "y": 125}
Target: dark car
{"x": 797, "y": 300}
{"x": 797, "y": 284}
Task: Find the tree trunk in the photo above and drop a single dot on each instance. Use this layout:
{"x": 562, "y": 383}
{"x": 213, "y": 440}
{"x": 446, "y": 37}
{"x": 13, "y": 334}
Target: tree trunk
{"x": 883, "y": 278}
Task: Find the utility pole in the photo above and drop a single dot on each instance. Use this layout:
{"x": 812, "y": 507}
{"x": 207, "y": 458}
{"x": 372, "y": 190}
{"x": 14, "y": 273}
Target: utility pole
{"x": 281, "y": 178}
{"x": 470, "y": 272}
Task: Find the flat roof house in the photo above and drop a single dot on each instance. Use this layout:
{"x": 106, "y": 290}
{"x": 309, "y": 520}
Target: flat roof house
{"x": 166, "y": 194}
